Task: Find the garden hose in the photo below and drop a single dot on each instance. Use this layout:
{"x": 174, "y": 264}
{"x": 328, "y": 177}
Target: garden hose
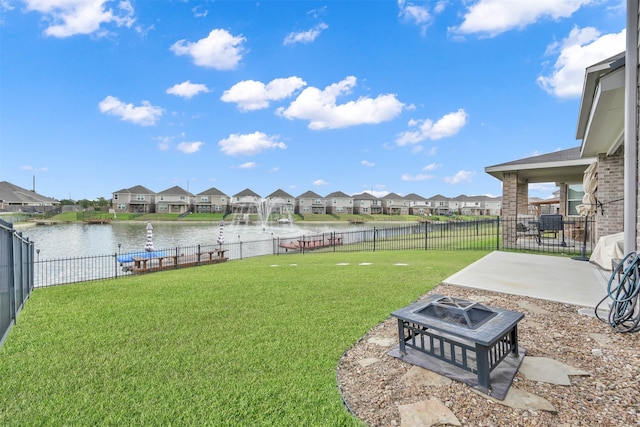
{"x": 623, "y": 289}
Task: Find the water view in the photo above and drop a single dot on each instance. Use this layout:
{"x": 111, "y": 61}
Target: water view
{"x": 75, "y": 240}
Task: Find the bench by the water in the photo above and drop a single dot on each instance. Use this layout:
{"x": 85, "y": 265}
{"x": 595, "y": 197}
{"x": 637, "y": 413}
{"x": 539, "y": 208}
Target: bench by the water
{"x": 312, "y": 244}
{"x": 165, "y": 262}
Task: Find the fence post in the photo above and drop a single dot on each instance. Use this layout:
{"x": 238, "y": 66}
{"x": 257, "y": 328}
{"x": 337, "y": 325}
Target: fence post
{"x": 375, "y": 234}
{"x": 498, "y": 233}
{"x": 426, "y": 235}
{"x": 115, "y": 257}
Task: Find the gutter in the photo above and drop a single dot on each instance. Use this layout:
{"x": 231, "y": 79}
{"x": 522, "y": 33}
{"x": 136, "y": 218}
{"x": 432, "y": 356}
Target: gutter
{"x": 631, "y": 130}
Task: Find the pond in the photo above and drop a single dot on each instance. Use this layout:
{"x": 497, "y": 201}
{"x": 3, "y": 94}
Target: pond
{"x": 76, "y": 240}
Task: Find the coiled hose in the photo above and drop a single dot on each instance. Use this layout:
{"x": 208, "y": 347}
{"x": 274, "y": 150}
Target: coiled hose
{"x": 623, "y": 289}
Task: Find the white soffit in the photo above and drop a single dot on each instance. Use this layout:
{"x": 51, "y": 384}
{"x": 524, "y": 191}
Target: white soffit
{"x": 606, "y": 118}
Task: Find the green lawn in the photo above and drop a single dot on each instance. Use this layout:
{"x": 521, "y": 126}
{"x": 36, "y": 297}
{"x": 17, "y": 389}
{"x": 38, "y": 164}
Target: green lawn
{"x": 251, "y": 342}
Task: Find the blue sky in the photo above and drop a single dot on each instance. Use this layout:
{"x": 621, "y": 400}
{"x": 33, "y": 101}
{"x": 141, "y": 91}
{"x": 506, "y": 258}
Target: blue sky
{"x": 383, "y": 96}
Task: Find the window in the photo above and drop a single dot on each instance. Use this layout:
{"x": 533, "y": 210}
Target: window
{"x": 575, "y": 192}
{"x": 182, "y": 197}
{"x": 115, "y": 197}
{"x": 140, "y": 197}
{"x": 204, "y": 199}
{"x": 121, "y": 206}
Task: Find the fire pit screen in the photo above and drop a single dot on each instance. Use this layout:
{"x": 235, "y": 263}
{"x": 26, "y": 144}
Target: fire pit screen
{"x": 470, "y": 338}
{"x": 458, "y": 311}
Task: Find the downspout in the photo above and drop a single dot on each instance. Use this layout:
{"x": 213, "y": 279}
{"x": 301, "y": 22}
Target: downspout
{"x": 631, "y": 129}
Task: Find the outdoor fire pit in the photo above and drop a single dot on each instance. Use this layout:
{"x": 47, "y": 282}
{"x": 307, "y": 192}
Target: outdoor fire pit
{"x": 463, "y": 340}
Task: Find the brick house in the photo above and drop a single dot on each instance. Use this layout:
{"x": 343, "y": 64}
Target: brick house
{"x": 310, "y": 203}
{"x": 245, "y": 202}
{"x": 418, "y": 205}
{"x": 439, "y": 205}
{"x": 366, "y": 204}
{"x": 393, "y": 204}
{"x": 339, "y": 203}
{"x": 211, "y": 200}
{"x": 283, "y": 203}
{"x": 137, "y": 199}
{"x": 174, "y": 200}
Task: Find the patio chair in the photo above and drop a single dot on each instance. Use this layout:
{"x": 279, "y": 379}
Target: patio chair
{"x": 550, "y": 223}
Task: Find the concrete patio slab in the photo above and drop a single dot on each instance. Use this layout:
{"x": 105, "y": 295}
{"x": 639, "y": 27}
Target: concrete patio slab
{"x": 545, "y": 277}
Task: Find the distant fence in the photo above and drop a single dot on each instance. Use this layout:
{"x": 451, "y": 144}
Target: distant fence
{"x": 485, "y": 234}
{"x": 16, "y": 275}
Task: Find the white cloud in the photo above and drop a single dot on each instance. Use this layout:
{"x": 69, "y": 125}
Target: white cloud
{"x": 254, "y": 95}
{"x": 248, "y": 165}
{"x": 543, "y": 187}
{"x": 198, "y": 12}
{"x": 432, "y": 166}
{"x": 461, "y": 176}
{"x": 448, "y": 125}
{"x": 219, "y": 50}
{"x": 187, "y": 89}
{"x": 367, "y": 163}
{"x": 320, "y": 182}
{"x": 493, "y": 17}
{"x": 581, "y": 49}
{"x": 33, "y": 169}
{"x": 305, "y": 36}
{"x": 66, "y": 18}
{"x": 249, "y": 144}
{"x": 190, "y": 147}
{"x": 419, "y": 177}
{"x": 320, "y": 108}
{"x": 417, "y": 14}
{"x": 144, "y": 115}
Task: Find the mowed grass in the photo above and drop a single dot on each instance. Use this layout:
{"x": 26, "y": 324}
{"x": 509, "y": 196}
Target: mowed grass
{"x": 251, "y": 342}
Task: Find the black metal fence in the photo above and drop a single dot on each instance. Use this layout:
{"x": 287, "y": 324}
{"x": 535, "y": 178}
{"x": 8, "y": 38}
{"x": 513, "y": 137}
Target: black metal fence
{"x": 16, "y": 275}
{"x": 486, "y": 234}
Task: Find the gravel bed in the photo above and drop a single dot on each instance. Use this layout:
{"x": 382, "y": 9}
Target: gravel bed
{"x": 610, "y": 396}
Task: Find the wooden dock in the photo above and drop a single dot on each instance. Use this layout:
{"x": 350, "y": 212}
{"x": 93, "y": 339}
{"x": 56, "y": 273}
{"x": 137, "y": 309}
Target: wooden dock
{"x": 97, "y": 221}
{"x": 172, "y": 262}
{"x": 311, "y": 244}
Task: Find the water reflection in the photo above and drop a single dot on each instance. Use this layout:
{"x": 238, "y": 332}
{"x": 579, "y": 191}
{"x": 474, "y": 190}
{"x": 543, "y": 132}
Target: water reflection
{"x": 73, "y": 240}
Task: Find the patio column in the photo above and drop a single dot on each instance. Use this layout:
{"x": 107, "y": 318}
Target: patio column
{"x": 509, "y": 208}
{"x": 522, "y": 194}
{"x": 564, "y": 188}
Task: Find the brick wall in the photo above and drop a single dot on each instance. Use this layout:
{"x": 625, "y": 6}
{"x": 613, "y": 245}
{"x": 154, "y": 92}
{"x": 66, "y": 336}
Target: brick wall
{"x": 610, "y": 193}
{"x": 509, "y": 208}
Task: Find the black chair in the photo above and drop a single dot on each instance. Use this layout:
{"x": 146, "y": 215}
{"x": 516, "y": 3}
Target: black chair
{"x": 550, "y": 223}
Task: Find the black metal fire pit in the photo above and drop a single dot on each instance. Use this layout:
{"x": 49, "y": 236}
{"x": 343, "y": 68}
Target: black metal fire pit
{"x": 470, "y": 338}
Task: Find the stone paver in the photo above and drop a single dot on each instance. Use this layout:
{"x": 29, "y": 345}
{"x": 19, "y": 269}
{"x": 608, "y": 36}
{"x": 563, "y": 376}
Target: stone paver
{"x": 420, "y": 377}
{"x": 427, "y": 413}
{"x": 548, "y": 370}
{"x": 520, "y": 399}
{"x": 383, "y": 341}
{"x": 531, "y": 307}
{"x": 368, "y": 361}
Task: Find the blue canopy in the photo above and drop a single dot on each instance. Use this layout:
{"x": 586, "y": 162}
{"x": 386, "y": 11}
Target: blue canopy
{"x": 129, "y": 256}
